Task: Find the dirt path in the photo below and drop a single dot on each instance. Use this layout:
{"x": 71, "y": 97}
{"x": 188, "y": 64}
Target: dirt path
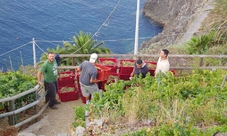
{"x": 56, "y": 121}
{"x": 197, "y": 23}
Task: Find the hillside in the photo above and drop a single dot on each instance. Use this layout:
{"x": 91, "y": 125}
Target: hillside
{"x": 180, "y": 19}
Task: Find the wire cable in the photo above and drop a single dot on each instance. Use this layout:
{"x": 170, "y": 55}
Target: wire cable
{"x": 14, "y": 49}
{"x": 40, "y": 48}
{"x": 103, "y": 24}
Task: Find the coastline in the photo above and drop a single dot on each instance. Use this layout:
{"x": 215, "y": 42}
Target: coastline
{"x": 180, "y": 20}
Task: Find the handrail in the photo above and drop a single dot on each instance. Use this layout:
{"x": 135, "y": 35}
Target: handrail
{"x": 143, "y": 55}
{"x": 33, "y": 117}
{"x": 21, "y": 94}
{"x": 12, "y": 114}
{"x": 23, "y": 108}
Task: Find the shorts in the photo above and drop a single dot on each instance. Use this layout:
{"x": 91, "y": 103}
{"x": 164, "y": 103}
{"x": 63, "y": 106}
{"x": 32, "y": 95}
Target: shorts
{"x": 88, "y": 90}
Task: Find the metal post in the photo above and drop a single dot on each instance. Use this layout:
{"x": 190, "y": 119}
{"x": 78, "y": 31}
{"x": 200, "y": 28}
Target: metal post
{"x": 34, "y": 53}
{"x": 11, "y": 64}
{"x": 137, "y": 27}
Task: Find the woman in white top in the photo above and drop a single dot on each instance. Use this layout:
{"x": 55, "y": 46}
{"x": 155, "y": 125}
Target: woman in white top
{"x": 163, "y": 62}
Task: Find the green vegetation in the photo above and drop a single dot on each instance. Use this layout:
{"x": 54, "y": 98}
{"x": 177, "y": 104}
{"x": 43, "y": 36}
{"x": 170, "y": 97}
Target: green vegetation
{"x": 82, "y": 44}
{"x": 80, "y": 116}
{"x": 12, "y": 83}
{"x": 194, "y": 104}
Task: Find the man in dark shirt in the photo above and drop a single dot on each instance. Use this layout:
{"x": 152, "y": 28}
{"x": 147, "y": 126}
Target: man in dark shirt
{"x": 140, "y": 67}
{"x": 88, "y": 77}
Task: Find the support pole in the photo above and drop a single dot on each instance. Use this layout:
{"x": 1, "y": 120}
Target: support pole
{"x": 34, "y": 53}
{"x": 137, "y": 27}
{"x": 11, "y": 64}
{"x": 22, "y": 62}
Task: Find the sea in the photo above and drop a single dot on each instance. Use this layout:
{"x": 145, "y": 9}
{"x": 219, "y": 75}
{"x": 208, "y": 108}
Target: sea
{"x": 51, "y": 22}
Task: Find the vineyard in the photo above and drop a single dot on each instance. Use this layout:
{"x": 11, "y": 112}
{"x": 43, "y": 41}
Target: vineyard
{"x": 12, "y": 83}
{"x": 189, "y": 105}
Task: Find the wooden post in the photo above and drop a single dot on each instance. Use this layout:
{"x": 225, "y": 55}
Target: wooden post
{"x": 35, "y": 107}
{"x": 73, "y": 64}
{"x": 12, "y": 118}
{"x": 201, "y": 62}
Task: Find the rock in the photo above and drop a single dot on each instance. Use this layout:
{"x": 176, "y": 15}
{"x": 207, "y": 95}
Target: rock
{"x": 63, "y": 134}
{"x": 176, "y": 17}
{"x": 26, "y": 134}
{"x": 79, "y": 131}
{"x": 37, "y": 126}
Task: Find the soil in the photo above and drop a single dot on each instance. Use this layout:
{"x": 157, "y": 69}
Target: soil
{"x": 55, "y": 121}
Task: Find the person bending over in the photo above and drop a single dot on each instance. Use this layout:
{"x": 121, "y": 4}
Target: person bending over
{"x": 88, "y": 77}
{"x": 140, "y": 67}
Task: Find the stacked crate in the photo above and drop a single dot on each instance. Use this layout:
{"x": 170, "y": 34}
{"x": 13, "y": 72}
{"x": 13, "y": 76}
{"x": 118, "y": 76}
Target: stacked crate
{"x": 111, "y": 63}
{"x": 103, "y": 75}
{"x": 151, "y": 66}
{"x": 126, "y": 68}
{"x": 67, "y": 90}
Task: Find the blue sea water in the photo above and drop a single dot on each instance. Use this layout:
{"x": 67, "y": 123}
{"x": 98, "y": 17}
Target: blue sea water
{"x": 54, "y": 21}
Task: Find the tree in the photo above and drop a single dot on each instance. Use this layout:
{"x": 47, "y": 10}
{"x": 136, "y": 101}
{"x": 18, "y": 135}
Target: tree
{"x": 199, "y": 45}
{"x": 84, "y": 44}
{"x": 81, "y": 44}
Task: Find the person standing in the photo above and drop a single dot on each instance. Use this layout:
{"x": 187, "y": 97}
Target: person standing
{"x": 163, "y": 62}
{"x": 88, "y": 77}
{"x": 140, "y": 67}
{"x": 49, "y": 70}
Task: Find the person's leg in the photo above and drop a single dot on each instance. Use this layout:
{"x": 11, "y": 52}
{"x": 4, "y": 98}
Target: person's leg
{"x": 52, "y": 94}
{"x": 94, "y": 88}
{"x": 85, "y": 92}
{"x": 56, "y": 90}
{"x": 46, "y": 89}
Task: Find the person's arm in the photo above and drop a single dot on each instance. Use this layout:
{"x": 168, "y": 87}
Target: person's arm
{"x": 132, "y": 72}
{"x": 94, "y": 80}
{"x": 39, "y": 78}
{"x": 93, "y": 77}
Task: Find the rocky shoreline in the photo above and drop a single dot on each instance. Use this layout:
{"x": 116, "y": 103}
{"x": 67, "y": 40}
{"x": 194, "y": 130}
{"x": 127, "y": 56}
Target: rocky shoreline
{"x": 176, "y": 17}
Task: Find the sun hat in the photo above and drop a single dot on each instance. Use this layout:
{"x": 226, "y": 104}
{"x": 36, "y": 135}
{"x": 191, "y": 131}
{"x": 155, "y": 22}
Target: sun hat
{"x": 93, "y": 57}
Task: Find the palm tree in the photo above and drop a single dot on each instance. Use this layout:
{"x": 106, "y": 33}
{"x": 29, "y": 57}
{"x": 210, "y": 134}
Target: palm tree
{"x": 199, "y": 45}
{"x": 58, "y": 50}
{"x": 84, "y": 44}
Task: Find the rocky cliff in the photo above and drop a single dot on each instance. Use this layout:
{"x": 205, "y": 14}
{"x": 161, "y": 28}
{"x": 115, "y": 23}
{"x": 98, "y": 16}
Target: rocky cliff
{"x": 176, "y": 17}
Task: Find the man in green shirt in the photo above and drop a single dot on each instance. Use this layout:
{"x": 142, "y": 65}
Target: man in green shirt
{"x": 49, "y": 70}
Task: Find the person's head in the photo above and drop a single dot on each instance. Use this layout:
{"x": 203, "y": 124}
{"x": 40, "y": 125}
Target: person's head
{"x": 51, "y": 56}
{"x": 139, "y": 63}
{"x": 164, "y": 53}
{"x": 93, "y": 58}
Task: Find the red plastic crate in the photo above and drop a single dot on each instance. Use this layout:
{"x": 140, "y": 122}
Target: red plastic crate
{"x": 66, "y": 80}
{"x": 68, "y": 96}
{"x": 124, "y": 76}
{"x": 174, "y": 72}
{"x": 152, "y": 72}
{"x": 78, "y": 81}
{"x": 84, "y": 99}
{"x": 113, "y": 66}
{"x": 102, "y": 60}
{"x": 151, "y": 65}
{"x": 103, "y": 72}
{"x": 102, "y": 84}
{"x": 126, "y": 70}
